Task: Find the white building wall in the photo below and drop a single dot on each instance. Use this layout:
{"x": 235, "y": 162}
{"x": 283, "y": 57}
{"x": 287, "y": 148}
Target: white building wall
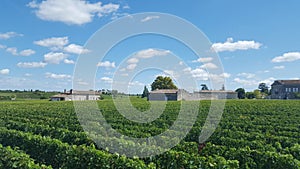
{"x": 184, "y": 95}
{"x": 85, "y": 97}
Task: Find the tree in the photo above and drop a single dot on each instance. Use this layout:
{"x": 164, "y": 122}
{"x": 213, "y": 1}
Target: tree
{"x": 257, "y": 94}
{"x": 241, "y": 93}
{"x": 145, "y": 92}
{"x": 204, "y": 87}
{"x": 250, "y": 95}
{"x": 263, "y": 88}
{"x": 163, "y": 83}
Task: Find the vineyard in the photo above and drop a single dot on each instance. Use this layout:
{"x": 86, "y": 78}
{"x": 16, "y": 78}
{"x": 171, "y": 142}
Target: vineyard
{"x": 251, "y": 134}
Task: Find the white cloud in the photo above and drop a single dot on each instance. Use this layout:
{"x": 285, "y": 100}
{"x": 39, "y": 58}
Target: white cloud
{"x": 12, "y": 50}
{"x": 136, "y": 83}
{"x": 31, "y": 64}
{"x": 188, "y": 69}
{"x": 268, "y": 81}
{"x": 231, "y": 46}
{"x": 76, "y": 49}
{"x": 225, "y": 75}
{"x": 202, "y": 74}
{"x": 54, "y": 43}
{"x": 287, "y": 57}
{"x": 209, "y": 66}
{"x": 145, "y": 54}
{"x": 126, "y": 7}
{"x": 172, "y": 73}
{"x": 198, "y": 73}
{"x": 2, "y": 46}
{"x": 116, "y": 15}
{"x": 278, "y": 67}
{"x": 106, "y": 64}
{"x": 148, "y": 18}
{"x": 131, "y": 66}
{"x": 27, "y": 74}
{"x": 122, "y": 70}
{"x": 108, "y": 8}
{"x": 132, "y": 60}
{"x": 27, "y": 52}
{"x": 203, "y": 60}
{"x": 246, "y": 75}
{"x": 82, "y": 83}
{"x": 149, "y": 53}
{"x": 57, "y": 76}
{"x": 169, "y": 72}
{"x": 107, "y": 79}
{"x": 4, "y": 71}
{"x": 246, "y": 82}
{"x": 67, "y": 61}
{"x": 9, "y": 35}
{"x": 76, "y": 12}
{"x": 54, "y": 58}
{"x": 219, "y": 78}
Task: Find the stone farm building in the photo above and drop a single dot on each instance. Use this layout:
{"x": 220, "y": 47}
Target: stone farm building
{"x": 285, "y": 89}
{"x": 76, "y": 95}
{"x": 181, "y": 94}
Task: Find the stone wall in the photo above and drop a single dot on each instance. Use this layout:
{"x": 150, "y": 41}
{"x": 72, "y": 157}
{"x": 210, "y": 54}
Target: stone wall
{"x": 206, "y": 95}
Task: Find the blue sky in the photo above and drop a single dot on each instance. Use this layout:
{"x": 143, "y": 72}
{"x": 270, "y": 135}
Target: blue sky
{"x": 257, "y": 41}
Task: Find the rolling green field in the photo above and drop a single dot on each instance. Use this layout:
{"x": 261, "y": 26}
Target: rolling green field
{"x": 251, "y": 134}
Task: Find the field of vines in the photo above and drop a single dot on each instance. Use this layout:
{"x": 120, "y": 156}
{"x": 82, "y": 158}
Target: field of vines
{"x": 251, "y": 134}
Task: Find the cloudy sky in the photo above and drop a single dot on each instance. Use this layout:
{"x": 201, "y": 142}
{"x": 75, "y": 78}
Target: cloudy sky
{"x": 40, "y": 40}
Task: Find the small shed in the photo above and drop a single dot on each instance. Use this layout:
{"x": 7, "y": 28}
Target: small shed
{"x": 163, "y": 95}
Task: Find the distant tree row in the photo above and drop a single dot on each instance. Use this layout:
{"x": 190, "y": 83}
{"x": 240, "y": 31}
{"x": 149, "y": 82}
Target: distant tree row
{"x": 260, "y": 93}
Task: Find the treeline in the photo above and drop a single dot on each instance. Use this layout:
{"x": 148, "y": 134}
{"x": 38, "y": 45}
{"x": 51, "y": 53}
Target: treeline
{"x": 25, "y": 94}
{"x": 261, "y": 93}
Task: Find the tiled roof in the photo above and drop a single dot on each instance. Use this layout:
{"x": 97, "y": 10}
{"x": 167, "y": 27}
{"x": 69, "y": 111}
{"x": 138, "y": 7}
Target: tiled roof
{"x": 288, "y": 81}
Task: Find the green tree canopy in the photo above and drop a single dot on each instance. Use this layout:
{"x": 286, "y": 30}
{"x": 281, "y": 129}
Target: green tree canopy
{"x": 163, "y": 83}
{"x": 241, "y": 93}
{"x": 263, "y": 88}
{"x": 145, "y": 92}
{"x": 250, "y": 95}
{"x": 257, "y": 94}
{"x": 204, "y": 87}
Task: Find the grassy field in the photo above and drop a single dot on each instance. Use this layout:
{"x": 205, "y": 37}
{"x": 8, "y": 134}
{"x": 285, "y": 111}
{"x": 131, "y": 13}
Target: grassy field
{"x": 251, "y": 134}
